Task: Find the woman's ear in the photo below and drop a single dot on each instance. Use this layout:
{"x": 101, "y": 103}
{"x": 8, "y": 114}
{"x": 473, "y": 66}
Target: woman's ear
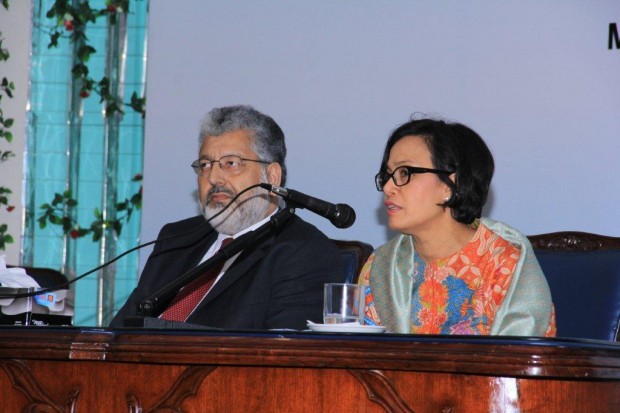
{"x": 274, "y": 174}
{"x": 447, "y": 189}
{"x": 452, "y": 177}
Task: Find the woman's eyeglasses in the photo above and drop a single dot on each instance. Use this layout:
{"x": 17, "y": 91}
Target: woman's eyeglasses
{"x": 402, "y": 175}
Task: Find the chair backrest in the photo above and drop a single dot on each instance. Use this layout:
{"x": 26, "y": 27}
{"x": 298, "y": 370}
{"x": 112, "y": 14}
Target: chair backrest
{"x": 583, "y": 272}
{"x": 355, "y": 254}
{"x": 46, "y": 277}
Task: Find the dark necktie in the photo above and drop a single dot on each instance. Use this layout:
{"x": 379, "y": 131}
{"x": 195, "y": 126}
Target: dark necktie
{"x": 186, "y": 300}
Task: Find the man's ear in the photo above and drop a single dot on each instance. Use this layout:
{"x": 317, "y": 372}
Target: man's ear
{"x": 274, "y": 174}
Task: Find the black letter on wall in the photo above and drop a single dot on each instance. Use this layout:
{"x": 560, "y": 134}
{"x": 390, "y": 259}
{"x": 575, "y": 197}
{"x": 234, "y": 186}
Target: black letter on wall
{"x": 613, "y": 36}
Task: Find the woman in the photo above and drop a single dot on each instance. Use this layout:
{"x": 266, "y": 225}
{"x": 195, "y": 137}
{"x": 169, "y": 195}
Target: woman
{"x": 450, "y": 272}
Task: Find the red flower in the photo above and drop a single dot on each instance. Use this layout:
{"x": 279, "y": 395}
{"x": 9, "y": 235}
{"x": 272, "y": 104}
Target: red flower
{"x": 84, "y": 94}
{"x": 68, "y": 25}
{"x": 10, "y": 208}
{"x": 112, "y": 8}
{"x": 137, "y": 177}
{"x": 74, "y": 234}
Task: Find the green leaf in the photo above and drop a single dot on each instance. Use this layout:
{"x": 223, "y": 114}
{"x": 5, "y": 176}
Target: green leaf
{"x": 51, "y": 12}
{"x": 53, "y": 39}
{"x": 84, "y": 52}
{"x": 67, "y": 225}
{"x": 4, "y": 156}
{"x": 79, "y": 70}
{"x": 137, "y": 104}
{"x": 136, "y": 200}
{"x": 4, "y": 53}
{"x": 118, "y": 227}
{"x": 78, "y": 34}
{"x": 112, "y": 108}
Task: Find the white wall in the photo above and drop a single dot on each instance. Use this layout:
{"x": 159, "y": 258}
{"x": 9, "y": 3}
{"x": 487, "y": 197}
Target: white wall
{"x": 15, "y": 25}
{"x": 535, "y": 79}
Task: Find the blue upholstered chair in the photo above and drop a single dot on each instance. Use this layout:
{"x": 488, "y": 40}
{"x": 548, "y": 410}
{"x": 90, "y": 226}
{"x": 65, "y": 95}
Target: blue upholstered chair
{"x": 355, "y": 254}
{"x": 583, "y": 271}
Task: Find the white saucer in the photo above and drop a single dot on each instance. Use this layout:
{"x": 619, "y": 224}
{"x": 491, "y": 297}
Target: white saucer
{"x": 345, "y": 328}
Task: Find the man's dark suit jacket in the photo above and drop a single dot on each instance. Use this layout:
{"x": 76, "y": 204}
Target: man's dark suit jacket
{"x": 275, "y": 284}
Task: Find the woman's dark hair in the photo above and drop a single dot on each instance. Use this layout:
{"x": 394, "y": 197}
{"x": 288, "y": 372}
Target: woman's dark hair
{"x": 453, "y": 147}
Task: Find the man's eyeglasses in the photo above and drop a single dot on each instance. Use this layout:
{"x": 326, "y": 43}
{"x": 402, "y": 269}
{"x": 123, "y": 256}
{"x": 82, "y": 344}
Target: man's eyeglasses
{"x": 402, "y": 175}
{"x": 230, "y": 164}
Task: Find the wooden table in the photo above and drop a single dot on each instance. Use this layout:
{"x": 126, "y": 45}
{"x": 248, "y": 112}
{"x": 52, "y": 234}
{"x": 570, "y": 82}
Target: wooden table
{"x": 46, "y": 369}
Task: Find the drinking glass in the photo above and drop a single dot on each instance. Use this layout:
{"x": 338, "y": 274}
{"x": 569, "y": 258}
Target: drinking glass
{"x": 344, "y": 303}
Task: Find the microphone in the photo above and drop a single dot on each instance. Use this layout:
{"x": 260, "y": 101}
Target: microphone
{"x": 340, "y": 215}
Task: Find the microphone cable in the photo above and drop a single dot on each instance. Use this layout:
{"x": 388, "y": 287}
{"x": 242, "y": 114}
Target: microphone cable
{"x": 118, "y": 257}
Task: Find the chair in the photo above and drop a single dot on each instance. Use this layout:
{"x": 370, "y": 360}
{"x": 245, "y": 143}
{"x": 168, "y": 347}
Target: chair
{"x": 583, "y": 272}
{"x": 355, "y": 254}
{"x": 45, "y": 277}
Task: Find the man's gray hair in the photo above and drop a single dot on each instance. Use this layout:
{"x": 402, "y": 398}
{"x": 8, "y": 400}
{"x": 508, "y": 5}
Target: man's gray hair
{"x": 268, "y": 138}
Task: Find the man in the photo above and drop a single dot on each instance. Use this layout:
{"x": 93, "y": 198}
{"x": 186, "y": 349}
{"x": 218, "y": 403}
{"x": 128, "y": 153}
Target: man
{"x": 272, "y": 284}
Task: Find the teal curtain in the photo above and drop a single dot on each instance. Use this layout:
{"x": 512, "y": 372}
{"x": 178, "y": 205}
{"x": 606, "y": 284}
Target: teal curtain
{"x": 72, "y": 145}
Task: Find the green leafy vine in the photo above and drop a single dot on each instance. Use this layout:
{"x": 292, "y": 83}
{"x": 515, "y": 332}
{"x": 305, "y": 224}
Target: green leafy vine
{"x": 71, "y": 22}
{"x": 6, "y": 89}
{"x": 59, "y": 212}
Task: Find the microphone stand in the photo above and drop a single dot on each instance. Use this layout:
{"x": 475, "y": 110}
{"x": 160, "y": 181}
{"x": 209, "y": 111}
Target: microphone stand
{"x": 152, "y": 305}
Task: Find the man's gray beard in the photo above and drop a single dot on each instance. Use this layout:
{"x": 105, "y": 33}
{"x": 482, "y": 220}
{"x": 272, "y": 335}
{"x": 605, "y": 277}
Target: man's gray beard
{"x": 245, "y": 212}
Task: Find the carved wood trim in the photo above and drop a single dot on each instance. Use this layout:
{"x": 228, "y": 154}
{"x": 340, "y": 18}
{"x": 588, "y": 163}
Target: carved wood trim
{"x": 381, "y": 391}
{"x": 186, "y": 385}
{"x": 574, "y": 241}
{"x": 479, "y": 355}
{"x": 23, "y": 380}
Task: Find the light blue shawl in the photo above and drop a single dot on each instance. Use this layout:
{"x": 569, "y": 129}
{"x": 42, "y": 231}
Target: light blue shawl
{"x": 525, "y": 311}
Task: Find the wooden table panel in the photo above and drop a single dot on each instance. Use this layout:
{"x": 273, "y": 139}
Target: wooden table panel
{"x": 82, "y": 370}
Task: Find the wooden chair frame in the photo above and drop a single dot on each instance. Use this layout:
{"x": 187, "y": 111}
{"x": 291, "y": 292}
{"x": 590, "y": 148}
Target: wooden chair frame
{"x": 574, "y": 241}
